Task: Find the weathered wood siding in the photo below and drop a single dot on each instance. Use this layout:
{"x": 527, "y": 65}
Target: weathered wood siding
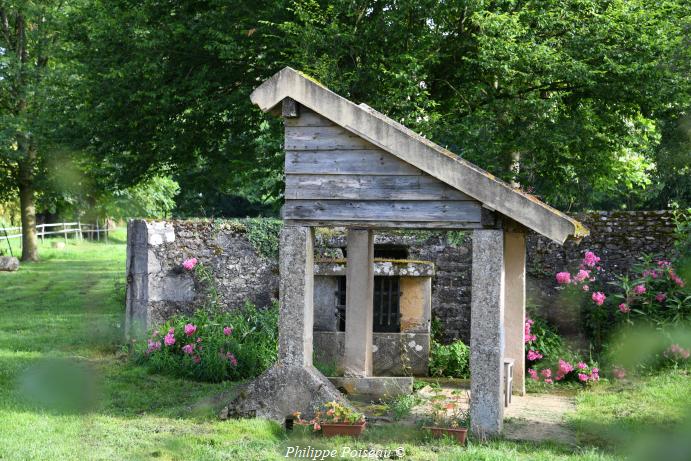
{"x": 335, "y": 177}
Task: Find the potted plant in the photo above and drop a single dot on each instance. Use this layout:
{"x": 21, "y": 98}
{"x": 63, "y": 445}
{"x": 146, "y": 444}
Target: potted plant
{"x": 449, "y": 418}
{"x": 333, "y": 419}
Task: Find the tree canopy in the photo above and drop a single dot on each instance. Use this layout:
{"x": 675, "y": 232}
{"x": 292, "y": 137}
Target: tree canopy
{"x": 582, "y": 102}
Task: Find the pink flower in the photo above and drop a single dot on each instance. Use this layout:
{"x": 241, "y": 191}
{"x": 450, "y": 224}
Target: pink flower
{"x": 581, "y": 276}
{"x": 548, "y": 380}
{"x": 559, "y": 376}
{"x": 675, "y": 351}
{"x": 594, "y": 376}
{"x": 232, "y": 359}
{"x": 169, "y": 339}
{"x": 153, "y": 346}
{"x": 583, "y": 377}
{"x": 599, "y": 298}
{"x": 188, "y": 349}
{"x": 590, "y": 259}
{"x": 197, "y": 359}
{"x": 619, "y": 373}
{"x": 660, "y": 297}
{"x": 663, "y": 264}
{"x": 563, "y": 278}
{"x": 199, "y": 339}
{"x": 155, "y": 333}
{"x": 639, "y": 289}
{"x": 582, "y": 365}
{"x": 586, "y": 288}
{"x": 190, "y": 329}
{"x": 565, "y": 367}
{"x": 534, "y": 355}
{"x": 227, "y": 331}
{"x": 189, "y": 264}
{"x": 527, "y": 336}
{"x": 547, "y": 373}
{"x": 533, "y": 374}
{"x": 171, "y": 330}
{"x": 316, "y": 426}
{"x": 675, "y": 278}
{"x": 624, "y": 309}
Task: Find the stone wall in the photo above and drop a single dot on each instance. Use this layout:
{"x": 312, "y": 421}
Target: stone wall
{"x": 160, "y": 288}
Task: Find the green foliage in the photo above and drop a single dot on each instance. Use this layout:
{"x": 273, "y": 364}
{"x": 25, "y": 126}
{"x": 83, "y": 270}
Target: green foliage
{"x": 245, "y": 353}
{"x": 451, "y": 360}
{"x": 547, "y": 341}
{"x": 403, "y": 405}
{"x": 546, "y": 83}
{"x": 264, "y": 235}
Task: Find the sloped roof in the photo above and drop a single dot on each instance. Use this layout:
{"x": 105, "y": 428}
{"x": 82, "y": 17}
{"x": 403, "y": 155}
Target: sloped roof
{"x": 419, "y": 152}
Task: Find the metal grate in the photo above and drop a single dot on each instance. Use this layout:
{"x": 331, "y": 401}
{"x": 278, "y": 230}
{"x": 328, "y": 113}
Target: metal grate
{"x": 387, "y": 296}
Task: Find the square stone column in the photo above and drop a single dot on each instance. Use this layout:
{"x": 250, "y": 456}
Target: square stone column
{"x": 514, "y": 305}
{"x": 359, "y": 303}
{"x": 296, "y": 292}
{"x": 487, "y": 333}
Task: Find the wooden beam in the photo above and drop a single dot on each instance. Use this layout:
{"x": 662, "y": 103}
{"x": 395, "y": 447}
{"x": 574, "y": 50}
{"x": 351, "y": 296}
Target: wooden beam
{"x": 346, "y": 162}
{"x": 380, "y": 210}
{"x": 369, "y": 187}
{"x": 290, "y": 109}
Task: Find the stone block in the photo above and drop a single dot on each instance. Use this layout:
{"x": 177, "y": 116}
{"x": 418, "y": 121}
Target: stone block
{"x": 9, "y": 264}
{"x": 281, "y": 391}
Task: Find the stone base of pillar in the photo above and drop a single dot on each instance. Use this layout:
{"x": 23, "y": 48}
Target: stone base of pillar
{"x": 280, "y": 391}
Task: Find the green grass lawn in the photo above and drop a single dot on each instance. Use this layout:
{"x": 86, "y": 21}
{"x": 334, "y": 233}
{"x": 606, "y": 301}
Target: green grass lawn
{"x": 67, "y": 391}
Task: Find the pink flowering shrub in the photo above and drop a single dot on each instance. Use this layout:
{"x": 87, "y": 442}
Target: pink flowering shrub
{"x": 213, "y": 346}
{"x": 653, "y": 294}
{"x": 546, "y": 358}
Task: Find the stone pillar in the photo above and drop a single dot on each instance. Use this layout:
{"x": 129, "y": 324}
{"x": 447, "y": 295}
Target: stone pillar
{"x": 514, "y": 305}
{"x": 359, "y": 303}
{"x": 486, "y": 333}
{"x": 296, "y": 317}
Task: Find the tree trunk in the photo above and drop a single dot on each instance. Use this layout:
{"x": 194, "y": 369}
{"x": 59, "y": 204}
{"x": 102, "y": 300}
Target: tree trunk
{"x": 27, "y": 206}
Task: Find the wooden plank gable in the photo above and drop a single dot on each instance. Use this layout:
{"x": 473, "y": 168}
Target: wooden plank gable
{"x": 334, "y": 176}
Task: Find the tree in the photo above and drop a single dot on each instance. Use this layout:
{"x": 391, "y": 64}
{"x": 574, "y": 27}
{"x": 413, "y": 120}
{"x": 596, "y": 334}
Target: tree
{"x": 571, "y": 90}
{"x": 28, "y": 37}
{"x": 167, "y": 84}
{"x": 575, "y": 100}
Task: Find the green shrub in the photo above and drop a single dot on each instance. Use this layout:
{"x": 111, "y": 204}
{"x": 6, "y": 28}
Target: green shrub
{"x": 213, "y": 346}
{"x": 451, "y": 360}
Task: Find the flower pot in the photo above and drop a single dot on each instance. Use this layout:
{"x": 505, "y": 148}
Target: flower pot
{"x": 350, "y": 430}
{"x": 459, "y": 433}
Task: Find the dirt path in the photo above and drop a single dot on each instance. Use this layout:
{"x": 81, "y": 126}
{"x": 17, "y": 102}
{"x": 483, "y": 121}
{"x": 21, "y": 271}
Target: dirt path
{"x": 539, "y": 417}
{"x": 534, "y": 417}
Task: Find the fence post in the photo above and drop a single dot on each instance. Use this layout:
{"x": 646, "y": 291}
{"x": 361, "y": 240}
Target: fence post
{"x": 98, "y": 231}
{"x": 64, "y": 231}
{"x": 9, "y": 245}
{"x": 43, "y": 232}
{"x": 79, "y": 226}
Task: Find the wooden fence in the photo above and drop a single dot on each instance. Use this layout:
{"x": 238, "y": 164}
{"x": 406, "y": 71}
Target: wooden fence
{"x": 76, "y": 230}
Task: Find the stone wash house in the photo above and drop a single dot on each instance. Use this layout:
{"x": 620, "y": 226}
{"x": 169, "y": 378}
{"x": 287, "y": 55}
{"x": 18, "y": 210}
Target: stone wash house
{"x": 362, "y": 306}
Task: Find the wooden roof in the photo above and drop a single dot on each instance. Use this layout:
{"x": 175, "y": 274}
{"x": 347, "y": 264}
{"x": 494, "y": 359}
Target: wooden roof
{"x": 419, "y": 152}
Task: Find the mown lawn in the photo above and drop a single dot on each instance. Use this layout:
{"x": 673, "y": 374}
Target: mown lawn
{"x": 67, "y": 392}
